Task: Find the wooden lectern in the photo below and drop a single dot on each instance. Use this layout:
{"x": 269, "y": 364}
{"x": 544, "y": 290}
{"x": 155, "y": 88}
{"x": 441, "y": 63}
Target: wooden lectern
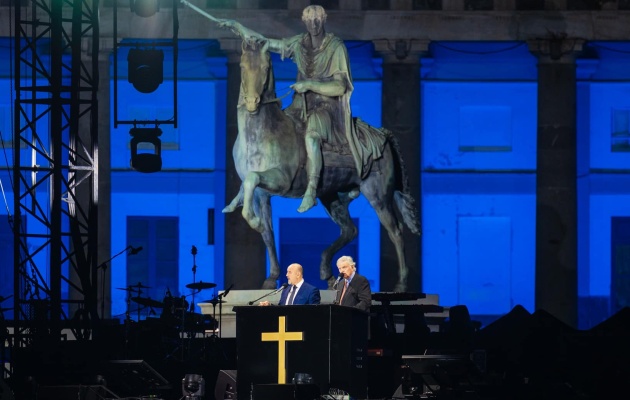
{"x": 328, "y": 342}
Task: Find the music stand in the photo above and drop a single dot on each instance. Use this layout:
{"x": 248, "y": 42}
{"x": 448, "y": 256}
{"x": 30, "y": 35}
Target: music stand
{"x": 442, "y": 373}
{"x": 131, "y": 378}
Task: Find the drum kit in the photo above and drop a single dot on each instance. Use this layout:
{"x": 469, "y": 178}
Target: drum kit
{"x": 169, "y": 304}
{"x": 175, "y": 316}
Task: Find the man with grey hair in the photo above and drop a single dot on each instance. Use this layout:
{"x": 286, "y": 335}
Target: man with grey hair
{"x": 356, "y": 290}
{"x": 322, "y": 92}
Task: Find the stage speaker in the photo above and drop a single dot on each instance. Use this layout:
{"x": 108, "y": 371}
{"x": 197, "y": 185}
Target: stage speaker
{"x": 78, "y": 392}
{"x": 225, "y": 387}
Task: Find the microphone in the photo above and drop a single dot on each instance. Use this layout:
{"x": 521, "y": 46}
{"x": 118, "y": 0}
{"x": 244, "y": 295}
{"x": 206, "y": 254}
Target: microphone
{"x": 135, "y": 250}
{"x": 227, "y": 290}
{"x": 339, "y": 278}
{"x": 270, "y": 293}
{"x": 281, "y": 288}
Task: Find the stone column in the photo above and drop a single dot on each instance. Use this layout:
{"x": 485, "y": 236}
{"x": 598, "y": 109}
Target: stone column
{"x": 556, "y": 179}
{"x": 245, "y": 252}
{"x": 401, "y": 114}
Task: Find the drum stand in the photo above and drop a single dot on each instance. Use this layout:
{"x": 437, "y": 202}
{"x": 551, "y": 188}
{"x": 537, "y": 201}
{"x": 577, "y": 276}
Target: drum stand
{"x": 214, "y": 339}
{"x": 193, "y": 251}
{"x": 182, "y": 333}
{"x": 127, "y": 324}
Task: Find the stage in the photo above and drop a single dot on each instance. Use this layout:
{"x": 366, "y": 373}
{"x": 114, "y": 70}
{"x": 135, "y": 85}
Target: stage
{"x": 519, "y": 356}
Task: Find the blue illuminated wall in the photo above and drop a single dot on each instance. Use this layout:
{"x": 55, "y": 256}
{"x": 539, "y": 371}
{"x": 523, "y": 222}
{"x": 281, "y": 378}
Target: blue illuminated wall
{"x": 478, "y": 172}
{"x": 603, "y": 178}
{"x": 478, "y": 175}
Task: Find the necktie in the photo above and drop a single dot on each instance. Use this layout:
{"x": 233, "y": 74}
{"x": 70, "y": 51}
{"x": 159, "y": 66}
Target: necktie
{"x": 293, "y": 290}
{"x": 345, "y": 286}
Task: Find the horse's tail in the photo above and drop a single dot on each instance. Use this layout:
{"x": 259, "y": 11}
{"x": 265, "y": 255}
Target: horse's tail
{"x": 404, "y": 200}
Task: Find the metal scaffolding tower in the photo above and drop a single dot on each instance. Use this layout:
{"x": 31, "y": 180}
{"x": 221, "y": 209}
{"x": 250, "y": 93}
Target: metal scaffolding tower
{"x": 55, "y": 149}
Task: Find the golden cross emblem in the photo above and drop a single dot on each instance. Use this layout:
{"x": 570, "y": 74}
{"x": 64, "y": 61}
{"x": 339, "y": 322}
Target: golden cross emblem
{"x": 282, "y": 336}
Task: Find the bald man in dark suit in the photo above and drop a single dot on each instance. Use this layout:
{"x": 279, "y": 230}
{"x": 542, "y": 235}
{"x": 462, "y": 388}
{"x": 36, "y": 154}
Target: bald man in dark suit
{"x": 298, "y": 291}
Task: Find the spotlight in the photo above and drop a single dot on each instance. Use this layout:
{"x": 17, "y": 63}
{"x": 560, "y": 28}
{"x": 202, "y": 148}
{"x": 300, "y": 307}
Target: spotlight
{"x": 193, "y": 387}
{"x": 302, "y": 378}
{"x": 146, "y": 162}
{"x": 145, "y": 8}
{"x": 145, "y": 69}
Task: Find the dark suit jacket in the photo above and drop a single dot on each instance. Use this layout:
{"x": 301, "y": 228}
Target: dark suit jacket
{"x": 358, "y": 294}
{"x": 308, "y": 294}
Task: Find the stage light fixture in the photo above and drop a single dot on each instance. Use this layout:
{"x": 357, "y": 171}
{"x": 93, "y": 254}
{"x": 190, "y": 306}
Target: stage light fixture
{"x": 146, "y": 161}
{"x": 193, "y": 387}
{"x": 145, "y": 69}
{"x": 145, "y": 8}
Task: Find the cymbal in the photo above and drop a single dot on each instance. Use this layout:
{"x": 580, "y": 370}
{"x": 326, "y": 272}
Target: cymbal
{"x": 128, "y": 289}
{"x": 146, "y": 301}
{"x": 140, "y": 285}
{"x": 214, "y": 301}
{"x": 201, "y": 285}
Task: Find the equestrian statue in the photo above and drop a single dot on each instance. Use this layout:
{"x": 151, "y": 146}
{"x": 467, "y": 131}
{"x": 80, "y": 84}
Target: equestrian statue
{"x": 315, "y": 148}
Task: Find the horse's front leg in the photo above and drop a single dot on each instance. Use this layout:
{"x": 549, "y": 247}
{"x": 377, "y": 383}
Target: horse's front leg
{"x": 273, "y": 181}
{"x": 236, "y": 202}
{"x": 252, "y": 179}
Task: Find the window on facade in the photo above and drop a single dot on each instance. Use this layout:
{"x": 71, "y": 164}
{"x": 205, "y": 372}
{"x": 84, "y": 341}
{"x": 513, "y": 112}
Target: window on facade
{"x": 620, "y": 135}
{"x": 156, "y": 266}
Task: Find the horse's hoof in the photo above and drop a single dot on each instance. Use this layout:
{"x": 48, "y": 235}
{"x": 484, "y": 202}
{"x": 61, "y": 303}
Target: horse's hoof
{"x": 270, "y": 284}
{"x": 325, "y": 272}
{"x": 228, "y": 209}
{"x": 400, "y": 287}
{"x": 307, "y": 204}
{"x": 331, "y": 282}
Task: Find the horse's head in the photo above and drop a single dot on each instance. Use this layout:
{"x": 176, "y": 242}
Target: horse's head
{"x": 256, "y": 74}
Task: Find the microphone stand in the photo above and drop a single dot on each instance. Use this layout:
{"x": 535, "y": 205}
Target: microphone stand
{"x": 193, "y": 251}
{"x": 103, "y": 265}
{"x": 335, "y": 285}
{"x": 268, "y": 294}
{"x": 220, "y": 297}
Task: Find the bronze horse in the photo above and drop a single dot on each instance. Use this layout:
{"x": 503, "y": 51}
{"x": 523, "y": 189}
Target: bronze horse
{"x": 269, "y": 156}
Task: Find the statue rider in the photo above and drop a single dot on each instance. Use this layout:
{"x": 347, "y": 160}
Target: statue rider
{"x": 322, "y": 91}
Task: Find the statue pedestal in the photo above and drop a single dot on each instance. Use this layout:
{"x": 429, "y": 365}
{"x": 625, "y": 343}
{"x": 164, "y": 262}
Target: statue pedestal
{"x": 236, "y": 298}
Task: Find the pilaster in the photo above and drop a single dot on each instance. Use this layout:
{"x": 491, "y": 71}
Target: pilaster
{"x": 556, "y": 178}
{"x": 401, "y": 114}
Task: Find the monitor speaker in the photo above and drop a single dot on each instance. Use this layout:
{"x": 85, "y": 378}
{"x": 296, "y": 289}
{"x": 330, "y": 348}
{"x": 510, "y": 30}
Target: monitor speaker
{"x": 225, "y": 387}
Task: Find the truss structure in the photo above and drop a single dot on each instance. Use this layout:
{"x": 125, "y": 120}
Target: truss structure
{"x": 55, "y": 150}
